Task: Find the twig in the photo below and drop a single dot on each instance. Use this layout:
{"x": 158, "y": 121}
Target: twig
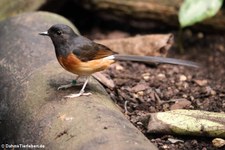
{"x": 104, "y": 80}
{"x": 125, "y": 108}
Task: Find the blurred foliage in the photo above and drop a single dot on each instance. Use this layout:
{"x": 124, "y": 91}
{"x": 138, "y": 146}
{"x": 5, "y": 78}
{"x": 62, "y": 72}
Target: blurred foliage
{"x": 194, "y": 11}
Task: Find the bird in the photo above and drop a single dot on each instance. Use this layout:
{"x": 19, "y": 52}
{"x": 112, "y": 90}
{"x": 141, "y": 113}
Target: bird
{"x": 83, "y": 57}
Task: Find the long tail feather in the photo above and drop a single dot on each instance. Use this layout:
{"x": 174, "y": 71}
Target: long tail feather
{"x": 155, "y": 59}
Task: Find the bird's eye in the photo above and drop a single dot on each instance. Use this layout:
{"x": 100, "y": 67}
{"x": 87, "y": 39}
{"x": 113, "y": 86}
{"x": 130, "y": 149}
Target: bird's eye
{"x": 58, "y": 32}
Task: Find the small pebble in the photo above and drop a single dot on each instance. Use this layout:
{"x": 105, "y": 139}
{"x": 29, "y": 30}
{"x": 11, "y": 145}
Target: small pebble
{"x": 140, "y": 93}
{"x": 146, "y": 76}
{"x": 183, "y": 78}
{"x": 200, "y": 35}
{"x": 180, "y": 104}
{"x": 161, "y": 76}
{"x": 119, "y": 67}
{"x": 201, "y": 82}
{"x": 218, "y": 142}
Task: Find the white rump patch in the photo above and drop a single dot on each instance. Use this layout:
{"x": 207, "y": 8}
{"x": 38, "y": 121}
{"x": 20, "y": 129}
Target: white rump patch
{"x": 111, "y": 57}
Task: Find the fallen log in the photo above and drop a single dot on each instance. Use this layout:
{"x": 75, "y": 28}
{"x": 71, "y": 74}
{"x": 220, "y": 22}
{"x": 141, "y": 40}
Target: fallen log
{"x": 142, "y": 13}
{"x": 34, "y": 113}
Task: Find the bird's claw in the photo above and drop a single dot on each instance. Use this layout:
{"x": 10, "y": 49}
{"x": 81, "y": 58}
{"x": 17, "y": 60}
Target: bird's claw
{"x": 78, "y": 95}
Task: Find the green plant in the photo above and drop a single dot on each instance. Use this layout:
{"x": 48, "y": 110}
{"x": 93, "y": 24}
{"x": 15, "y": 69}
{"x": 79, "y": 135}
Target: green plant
{"x": 194, "y": 11}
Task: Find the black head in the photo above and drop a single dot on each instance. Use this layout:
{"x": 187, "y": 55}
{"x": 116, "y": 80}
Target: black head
{"x": 60, "y": 33}
{"x": 62, "y": 36}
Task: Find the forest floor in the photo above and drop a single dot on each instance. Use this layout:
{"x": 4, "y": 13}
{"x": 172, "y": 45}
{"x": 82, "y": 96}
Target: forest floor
{"x": 142, "y": 89}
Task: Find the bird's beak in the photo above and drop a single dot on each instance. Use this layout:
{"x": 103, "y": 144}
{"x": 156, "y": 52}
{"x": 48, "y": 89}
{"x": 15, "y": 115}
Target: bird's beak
{"x": 44, "y": 33}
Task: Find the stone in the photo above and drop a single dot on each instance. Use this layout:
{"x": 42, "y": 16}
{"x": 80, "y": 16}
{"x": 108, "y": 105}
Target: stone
{"x": 33, "y": 111}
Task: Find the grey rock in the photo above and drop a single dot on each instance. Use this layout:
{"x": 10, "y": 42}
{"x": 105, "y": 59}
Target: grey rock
{"x": 33, "y": 111}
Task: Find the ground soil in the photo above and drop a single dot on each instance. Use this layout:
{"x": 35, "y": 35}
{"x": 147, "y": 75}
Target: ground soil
{"x": 144, "y": 88}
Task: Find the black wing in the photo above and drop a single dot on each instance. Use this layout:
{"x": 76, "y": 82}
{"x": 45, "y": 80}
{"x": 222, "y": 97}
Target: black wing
{"x": 90, "y": 50}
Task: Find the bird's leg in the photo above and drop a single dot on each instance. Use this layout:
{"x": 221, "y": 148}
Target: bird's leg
{"x": 73, "y": 83}
{"x": 81, "y": 91}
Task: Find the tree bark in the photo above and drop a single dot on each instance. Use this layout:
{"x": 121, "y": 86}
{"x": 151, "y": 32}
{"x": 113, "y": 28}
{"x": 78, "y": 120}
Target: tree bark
{"x": 142, "y": 13}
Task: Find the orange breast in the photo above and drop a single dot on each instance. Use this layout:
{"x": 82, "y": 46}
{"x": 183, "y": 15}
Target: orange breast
{"x": 72, "y": 64}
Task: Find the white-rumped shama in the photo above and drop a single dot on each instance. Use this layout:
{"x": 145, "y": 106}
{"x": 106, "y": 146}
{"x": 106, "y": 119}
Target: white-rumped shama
{"x": 81, "y": 56}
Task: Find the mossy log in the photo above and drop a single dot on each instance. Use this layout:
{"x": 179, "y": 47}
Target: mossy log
{"x": 188, "y": 122}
